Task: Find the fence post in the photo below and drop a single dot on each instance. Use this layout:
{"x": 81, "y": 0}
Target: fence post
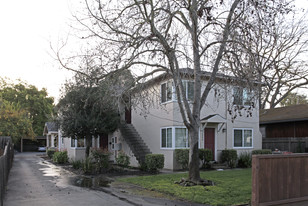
{"x": 6, "y": 161}
{"x": 255, "y": 181}
{"x": 1, "y": 180}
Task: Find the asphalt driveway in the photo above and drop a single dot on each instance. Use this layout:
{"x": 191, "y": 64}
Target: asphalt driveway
{"x": 36, "y": 182}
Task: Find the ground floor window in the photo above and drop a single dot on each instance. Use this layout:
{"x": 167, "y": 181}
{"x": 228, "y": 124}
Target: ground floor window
{"x": 80, "y": 142}
{"x": 166, "y": 138}
{"x": 174, "y": 137}
{"x": 242, "y": 137}
{"x": 181, "y": 138}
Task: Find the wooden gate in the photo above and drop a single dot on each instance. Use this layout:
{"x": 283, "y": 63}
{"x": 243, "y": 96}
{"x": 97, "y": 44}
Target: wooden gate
{"x": 280, "y": 179}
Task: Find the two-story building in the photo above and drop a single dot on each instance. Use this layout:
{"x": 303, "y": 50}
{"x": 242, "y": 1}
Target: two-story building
{"x": 229, "y": 120}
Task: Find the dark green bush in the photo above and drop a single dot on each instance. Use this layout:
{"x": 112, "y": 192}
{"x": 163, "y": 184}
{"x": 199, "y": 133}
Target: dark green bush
{"x": 154, "y": 162}
{"x": 101, "y": 158}
{"x": 205, "y": 155}
{"x": 122, "y": 159}
{"x": 50, "y": 153}
{"x": 244, "y": 160}
{"x": 229, "y": 156}
{"x": 261, "y": 151}
{"x": 182, "y": 157}
{"x": 143, "y": 166}
{"x": 60, "y": 157}
{"x": 77, "y": 164}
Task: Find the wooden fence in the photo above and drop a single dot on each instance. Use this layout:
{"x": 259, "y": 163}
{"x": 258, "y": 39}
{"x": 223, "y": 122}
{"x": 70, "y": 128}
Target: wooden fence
{"x": 6, "y": 161}
{"x": 290, "y": 144}
{"x": 280, "y": 180}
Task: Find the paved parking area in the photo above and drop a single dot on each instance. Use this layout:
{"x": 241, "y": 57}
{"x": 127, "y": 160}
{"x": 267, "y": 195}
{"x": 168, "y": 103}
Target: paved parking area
{"x": 35, "y": 182}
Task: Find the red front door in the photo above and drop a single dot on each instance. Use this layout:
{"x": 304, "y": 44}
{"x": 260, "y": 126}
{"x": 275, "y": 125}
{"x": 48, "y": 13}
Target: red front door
{"x": 209, "y": 140}
{"x": 103, "y": 141}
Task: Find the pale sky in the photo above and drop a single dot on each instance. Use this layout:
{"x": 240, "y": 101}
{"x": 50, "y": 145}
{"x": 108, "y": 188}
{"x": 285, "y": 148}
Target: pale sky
{"x": 27, "y": 28}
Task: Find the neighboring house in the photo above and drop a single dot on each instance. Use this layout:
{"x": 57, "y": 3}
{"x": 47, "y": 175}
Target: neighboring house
{"x": 159, "y": 128}
{"x": 52, "y": 134}
{"x": 285, "y": 128}
{"x": 75, "y": 148}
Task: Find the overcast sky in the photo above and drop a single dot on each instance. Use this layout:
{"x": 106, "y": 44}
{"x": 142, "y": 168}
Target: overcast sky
{"x": 27, "y": 28}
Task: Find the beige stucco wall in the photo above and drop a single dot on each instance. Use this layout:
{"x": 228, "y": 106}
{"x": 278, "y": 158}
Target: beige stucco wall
{"x": 124, "y": 148}
{"x": 74, "y": 154}
{"x": 149, "y": 123}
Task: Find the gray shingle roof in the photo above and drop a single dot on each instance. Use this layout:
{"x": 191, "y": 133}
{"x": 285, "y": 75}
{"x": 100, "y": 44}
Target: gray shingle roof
{"x": 284, "y": 114}
{"x": 51, "y": 126}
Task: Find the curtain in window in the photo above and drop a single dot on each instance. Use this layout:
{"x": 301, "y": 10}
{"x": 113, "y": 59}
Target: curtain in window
{"x": 73, "y": 142}
{"x": 238, "y": 138}
{"x": 237, "y": 96}
{"x": 247, "y": 138}
{"x": 166, "y": 92}
{"x": 80, "y": 142}
{"x": 166, "y": 135}
{"x": 180, "y": 138}
{"x": 190, "y": 91}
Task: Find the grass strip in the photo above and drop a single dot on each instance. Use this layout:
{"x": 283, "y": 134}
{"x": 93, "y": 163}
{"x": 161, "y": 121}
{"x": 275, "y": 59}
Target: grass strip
{"x": 232, "y": 187}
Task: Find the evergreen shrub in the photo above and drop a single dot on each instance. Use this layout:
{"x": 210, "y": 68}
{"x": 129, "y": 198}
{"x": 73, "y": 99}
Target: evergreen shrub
{"x": 244, "y": 160}
{"x": 182, "y": 157}
{"x": 50, "y": 153}
{"x": 60, "y": 157}
{"x": 154, "y": 162}
{"x": 123, "y": 159}
{"x": 229, "y": 156}
{"x": 205, "y": 155}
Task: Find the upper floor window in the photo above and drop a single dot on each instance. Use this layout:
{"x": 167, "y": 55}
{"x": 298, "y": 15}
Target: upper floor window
{"x": 242, "y": 96}
{"x": 189, "y": 90}
{"x": 168, "y": 92}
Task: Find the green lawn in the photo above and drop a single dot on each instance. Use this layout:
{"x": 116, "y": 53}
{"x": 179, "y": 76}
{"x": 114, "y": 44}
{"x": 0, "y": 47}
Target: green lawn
{"x": 232, "y": 187}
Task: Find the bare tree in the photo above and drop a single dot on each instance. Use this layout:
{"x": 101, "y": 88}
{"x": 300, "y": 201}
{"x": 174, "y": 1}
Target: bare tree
{"x": 282, "y": 62}
{"x": 275, "y": 55}
{"x": 294, "y": 99}
{"x": 150, "y": 37}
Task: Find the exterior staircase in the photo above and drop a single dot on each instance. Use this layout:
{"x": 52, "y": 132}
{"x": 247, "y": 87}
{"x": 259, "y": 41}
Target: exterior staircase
{"x": 135, "y": 142}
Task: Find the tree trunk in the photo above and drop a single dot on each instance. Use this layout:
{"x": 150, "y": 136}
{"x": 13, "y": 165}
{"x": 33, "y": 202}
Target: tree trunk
{"x": 194, "y": 173}
{"x": 88, "y": 144}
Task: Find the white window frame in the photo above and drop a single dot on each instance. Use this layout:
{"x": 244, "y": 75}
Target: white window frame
{"x": 243, "y": 138}
{"x": 173, "y": 128}
{"x": 114, "y": 140}
{"x": 187, "y": 137}
{"x": 185, "y": 85}
{"x": 76, "y": 143}
{"x": 173, "y": 91}
{"x": 161, "y": 92}
{"x": 161, "y": 137}
{"x": 244, "y": 99}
